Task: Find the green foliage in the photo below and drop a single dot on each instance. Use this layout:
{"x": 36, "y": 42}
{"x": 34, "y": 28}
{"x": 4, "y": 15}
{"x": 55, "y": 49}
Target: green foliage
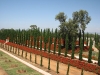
{"x": 81, "y": 17}
{"x": 79, "y": 36}
{"x": 71, "y": 27}
{"x": 46, "y": 36}
{"x": 61, "y": 17}
{"x": 99, "y": 57}
{"x": 81, "y": 49}
{"x": 41, "y": 41}
{"x": 73, "y": 49}
{"x": 41, "y": 48}
{"x": 59, "y": 49}
{"x": 50, "y": 42}
{"x": 83, "y": 39}
{"x": 55, "y": 39}
{"x": 66, "y": 46}
{"x": 90, "y": 51}
{"x": 87, "y": 39}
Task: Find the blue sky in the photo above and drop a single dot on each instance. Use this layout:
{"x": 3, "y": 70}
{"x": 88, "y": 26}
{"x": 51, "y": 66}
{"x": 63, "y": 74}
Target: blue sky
{"x": 23, "y": 13}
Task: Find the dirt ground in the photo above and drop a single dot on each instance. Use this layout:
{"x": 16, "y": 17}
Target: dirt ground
{"x": 2, "y": 72}
{"x": 53, "y": 65}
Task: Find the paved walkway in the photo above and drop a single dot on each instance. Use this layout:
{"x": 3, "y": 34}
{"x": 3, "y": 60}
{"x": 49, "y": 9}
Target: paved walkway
{"x": 26, "y": 63}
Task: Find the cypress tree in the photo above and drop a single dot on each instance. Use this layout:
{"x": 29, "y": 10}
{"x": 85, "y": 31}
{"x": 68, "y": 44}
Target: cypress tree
{"x": 87, "y": 39}
{"x": 50, "y": 42}
{"x": 73, "y": 48}
{"x": 99, "y": 57}
{"x": 46, "y": 39}
{"x": 44, "y": 35}
{"x": 55, "y": 39}
{"x": 83, "y": 39}
{"x": 95, "y": 37}
{"x": 59, "y": 52}
{"x": 35, "y": 36}
{"x": 41, "y": 49}
{"x": 66, "y": 46}
{"x": 81, "y": 49}
{"x": 37, "y": 42}
{"x": 79, "y": 35}
{"x": 90, "y": 51}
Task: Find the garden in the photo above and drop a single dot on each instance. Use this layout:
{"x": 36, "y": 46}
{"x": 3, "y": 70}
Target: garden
{"x": 59, "y": 45}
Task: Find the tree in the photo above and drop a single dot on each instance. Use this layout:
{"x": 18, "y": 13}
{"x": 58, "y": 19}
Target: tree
{"x": 41, "y": 49}
{"x": 82, "y": 19}
{"x": 87, "y": 39}
{"x": 33, "y": 27}
{"x": 49, "y": 48}
{"x": 79, "y": 36}
{"x": 59, "y": 53}
{"x": 90, "y": 51}
{"x": 61, "y": 17}
{"x": 46, "y": 36}
{"x": 55, "y": 39}
{"x": 66, "y": 46}
{"x": 66, "y": 28}
{"x": 73, "y": 48}
{"x": 99, "y": 57}
{"x": 81, "y": 49}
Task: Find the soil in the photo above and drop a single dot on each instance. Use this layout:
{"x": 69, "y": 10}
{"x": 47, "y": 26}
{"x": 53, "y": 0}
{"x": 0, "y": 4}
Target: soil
{"x": 21, "y": 71}
{"x": 2, "y": 72}
{"x": 13, "y": 65}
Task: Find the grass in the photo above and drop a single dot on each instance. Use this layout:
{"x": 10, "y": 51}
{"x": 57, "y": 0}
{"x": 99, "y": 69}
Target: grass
{"x": 14, "y": 67}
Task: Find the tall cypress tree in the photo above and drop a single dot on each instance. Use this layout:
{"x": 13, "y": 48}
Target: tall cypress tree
{"x": 83, "y": 39}
{"x": 44, "y": 35}
{"x": 73, "y": 48}
{"x": 66, "y": 46}
{"x": 95, "y": 38}
{"x": 90, "y": 51}
{"x": 55, "y": 39}
{"x": 87, "y": 39}
{"x": 35, "y": 36}
{"x": 59, "y": 53}
{"x": 49, "y": 48}
{"x": 79, "y": 35}
{"x": 46, "y": 38}
{"x": 99, "y": 57}
{"x": 41, "y": 49}
{"x": 81, "y": 49}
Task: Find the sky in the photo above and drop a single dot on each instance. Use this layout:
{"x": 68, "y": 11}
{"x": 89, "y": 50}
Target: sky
{"x": 23, "y": 13}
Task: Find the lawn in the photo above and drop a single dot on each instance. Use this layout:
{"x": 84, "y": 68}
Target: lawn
{"x": 14, "y": 67}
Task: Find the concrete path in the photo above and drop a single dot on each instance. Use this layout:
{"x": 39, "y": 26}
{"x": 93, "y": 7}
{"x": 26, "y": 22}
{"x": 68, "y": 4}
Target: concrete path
{"x": 26, "y": 63}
